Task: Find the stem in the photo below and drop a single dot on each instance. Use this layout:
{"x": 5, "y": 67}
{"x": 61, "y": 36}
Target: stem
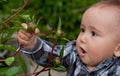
{"x": 15, "y": 54}
{"x": 17, "y": 51}
{"x": 51, "y": 54}
{"x": 44, "y": 69}
{"x": 35, "y": 73}
{"x": 45, "y": 34}
{"x": 36, "y": 68}
{"x": 1, "y": 60}
{"x": 49, "y": 59}
{"x": 15, "y": 14}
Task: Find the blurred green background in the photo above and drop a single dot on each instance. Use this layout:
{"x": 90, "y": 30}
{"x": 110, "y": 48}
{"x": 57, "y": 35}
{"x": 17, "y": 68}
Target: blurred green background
{"x": 70, "y": 12}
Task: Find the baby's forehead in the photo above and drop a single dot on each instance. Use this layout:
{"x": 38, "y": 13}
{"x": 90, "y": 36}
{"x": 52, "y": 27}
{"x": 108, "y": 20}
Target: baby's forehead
{"x": 112, "y": 13}
{"x": 114, "y": 10}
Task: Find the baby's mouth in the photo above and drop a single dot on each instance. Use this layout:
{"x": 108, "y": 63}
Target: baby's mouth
{"x": 82, "y": 52}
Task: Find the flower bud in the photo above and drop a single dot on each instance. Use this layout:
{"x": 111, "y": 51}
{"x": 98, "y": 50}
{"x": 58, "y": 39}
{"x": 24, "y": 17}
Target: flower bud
{"x": 31, "y": 24}
{"x": 57, "y": 60}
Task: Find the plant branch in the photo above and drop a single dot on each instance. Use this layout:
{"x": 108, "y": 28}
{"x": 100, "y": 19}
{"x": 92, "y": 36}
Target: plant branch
{"x": 46, "y": 68}
{"x": 15, "y": 14}
{"x": 1, "y": 60}
{"x": 49, "y": 59}
{"x": 17, "y": 51}
{"x": 47, "y": 33}
{"x": 35, "y": 73}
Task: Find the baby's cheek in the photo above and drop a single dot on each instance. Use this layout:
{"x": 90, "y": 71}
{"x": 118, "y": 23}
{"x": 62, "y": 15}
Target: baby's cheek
{"x": 94, "y": 53}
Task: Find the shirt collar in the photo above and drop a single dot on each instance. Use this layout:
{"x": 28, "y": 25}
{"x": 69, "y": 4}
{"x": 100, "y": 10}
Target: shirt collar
{"x": 106, "y": 63}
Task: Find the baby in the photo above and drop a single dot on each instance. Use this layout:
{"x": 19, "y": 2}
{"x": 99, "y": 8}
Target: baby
{"x": 96, "y": 52}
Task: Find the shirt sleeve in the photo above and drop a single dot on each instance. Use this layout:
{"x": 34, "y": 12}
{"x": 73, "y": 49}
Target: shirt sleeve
{"x": 40, "y": 53}
{"x": 37, "y": 47}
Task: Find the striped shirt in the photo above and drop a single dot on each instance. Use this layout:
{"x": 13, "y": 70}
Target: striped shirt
{"x": 71, "y": 60}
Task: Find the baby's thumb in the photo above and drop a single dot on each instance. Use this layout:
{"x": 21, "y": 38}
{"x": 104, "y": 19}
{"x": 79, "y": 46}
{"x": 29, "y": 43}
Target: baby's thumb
{"x": 24, "y": 25}
{"x": 37, "y": 31}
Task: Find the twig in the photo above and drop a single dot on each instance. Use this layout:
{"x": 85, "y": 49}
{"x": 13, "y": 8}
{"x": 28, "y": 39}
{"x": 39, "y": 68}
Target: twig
{"x": 15, "y": 14}
{"x": 49, "y": 59}
{"x": 35, "y": 73}
{"x": 36, "y": 68}
{"x": 45, "y": 34}
{"x": 46, "y": 68}
{"x": 1, "y": 60}
{"x": 18, "y": 50}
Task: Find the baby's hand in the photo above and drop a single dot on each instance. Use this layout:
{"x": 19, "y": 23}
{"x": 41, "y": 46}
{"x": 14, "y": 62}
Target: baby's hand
{"x": 26, "y": 38}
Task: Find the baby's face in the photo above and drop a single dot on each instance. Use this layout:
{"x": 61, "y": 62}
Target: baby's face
{"x": 97, "y": 39}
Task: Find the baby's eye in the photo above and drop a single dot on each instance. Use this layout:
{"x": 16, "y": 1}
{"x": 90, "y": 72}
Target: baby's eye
{"x": 82, "y": 30}
{"x": 93, "y": 33}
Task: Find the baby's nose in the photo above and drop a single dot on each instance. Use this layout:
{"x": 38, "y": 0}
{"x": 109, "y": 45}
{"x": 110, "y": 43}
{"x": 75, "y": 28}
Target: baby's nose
{"x": 83, "y": 38}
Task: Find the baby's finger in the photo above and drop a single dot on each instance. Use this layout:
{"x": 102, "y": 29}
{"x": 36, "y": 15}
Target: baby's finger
{"x": 24, "y": 33}
{"x": 37, "y": 31}
{"x": 24, "y": 25}
{"x": 23, "y": 37}
{"x": 22, "y": 41}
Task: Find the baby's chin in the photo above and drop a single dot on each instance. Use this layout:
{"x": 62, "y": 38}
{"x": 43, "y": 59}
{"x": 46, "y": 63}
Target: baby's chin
{"x": 90, "y": 66}
{"x": 89, "y": 63}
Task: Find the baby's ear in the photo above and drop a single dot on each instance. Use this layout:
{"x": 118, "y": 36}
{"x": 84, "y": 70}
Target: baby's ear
{"x": 117, "y": 50}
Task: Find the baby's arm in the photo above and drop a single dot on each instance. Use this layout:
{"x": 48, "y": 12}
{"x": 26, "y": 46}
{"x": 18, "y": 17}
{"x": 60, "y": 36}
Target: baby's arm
{"x": 40, "y": 53}
{"x": 40, "y": 49}
{"x": 43, "y": 48}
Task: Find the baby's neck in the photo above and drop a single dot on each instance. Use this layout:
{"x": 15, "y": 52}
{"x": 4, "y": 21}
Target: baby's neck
{"x": 91, "y": 68}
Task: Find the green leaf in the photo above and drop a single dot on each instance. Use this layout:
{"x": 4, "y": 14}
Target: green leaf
{"x": 2, "y": 71}
{"x": 12, "y": 71}
{"x": 59, "y": 68}
{"x": 61, "y": 53}
{"x": 65, "y": 39}
{"x": 37, "y": 22}
{"x": 1, "y": 64}
{"x": 58, "y": 32}
{"x": 26, "y": 18}
{"x": 7, "y": 47}
{"x": 7, "y": 34}
{"x": 59, "y": 24}
{"x": 9, "y": 60}
{"x": 22, "y": 64}
{"x": 30, "y": 29}
{"x": 49, "y": 73}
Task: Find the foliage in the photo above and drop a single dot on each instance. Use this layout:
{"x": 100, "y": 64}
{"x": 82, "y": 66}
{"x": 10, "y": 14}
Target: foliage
{"x": 50, "y": 12}
{"x": 7, "y": 62}
{"x": 70, "y": 12}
